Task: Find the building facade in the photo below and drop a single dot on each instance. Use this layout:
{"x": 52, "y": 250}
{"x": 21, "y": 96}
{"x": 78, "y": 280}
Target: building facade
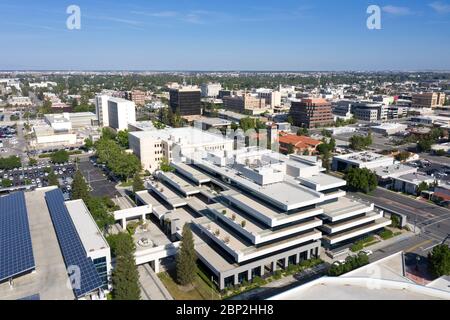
{"x": 185, "y": 101}
{"x": 311, "y": 113}
{"x": 120, "y": 113}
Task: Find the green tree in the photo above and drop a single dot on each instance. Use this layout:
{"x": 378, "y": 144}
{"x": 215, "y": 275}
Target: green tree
{"x": 358, "y": 142}
{"x": 52, "y": 178}
{"x": 424, "y": 144}
{"x": 290, "y": 149}
{"x": 32, "y": 162}
{"x": 138, "y": 184}
{"x": 402, "y": 156}
{"x": 186, "y": 261}
{"x": 439, "y": 260}
{"x": 302, "y": 132}
{"x": 361, "y": 180}
{"x": 125, "y": 276}
{"x": 165, "y": 166}
{"x": 9, "y": 163}
{"x": 6, "y": 183}
{"x": 60, "y": 156}
{"x": 88, "y": 144}
{"x": 423, "y": 186}
{"x": 80, "y": 189}
{"x": 101, "y": 209}
{"x": 108, "y": 133}
{"x": 122, "y": 138}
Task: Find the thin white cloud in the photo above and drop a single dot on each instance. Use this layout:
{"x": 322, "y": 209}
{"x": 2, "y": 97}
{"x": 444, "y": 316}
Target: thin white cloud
{"x": 440, "y": 7}
{"x": 398, "y": 11}
{"x": 162, "y": 14}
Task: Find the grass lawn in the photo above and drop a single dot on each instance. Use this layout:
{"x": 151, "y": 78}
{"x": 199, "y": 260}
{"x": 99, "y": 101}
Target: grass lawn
{"x": 125, "y": 184}
{"x": 199, "y": 290}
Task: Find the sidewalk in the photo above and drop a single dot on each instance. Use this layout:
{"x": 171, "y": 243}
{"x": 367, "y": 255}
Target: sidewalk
{"x": 151, "y": 287}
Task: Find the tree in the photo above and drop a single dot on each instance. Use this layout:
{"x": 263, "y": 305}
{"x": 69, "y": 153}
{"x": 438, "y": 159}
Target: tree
{"x": 32, "y": 162}
{"x": 439, "y": 260}
{"x": 302, "y": 132}
{"x": 423, "y": 186}
{"x": 138, "y": 184}
{"x": 125, "y": 276}
{"x": 6, "y": 183}
{"x": 108, "y": 133}
{"x": 186, "y": 265}
{"x": 52, "y": 178}
{"x": 60, "y": 156}
{"x": 402, "y": 156}
{"x": 290, "y": 149}
{"x": 10, "y": 163}
{"x": 80, "y": 189}
{"x": 290, "y": 120}
{"x": 358, "y": 142}
{"x": 88, "y": 144}
{"x": 424, "y": 144}
{"x": 122, "y": 138}
{"x": 100, "y": 208}
{"x": 165, "y": 166}
{"x": 361, "y": 179}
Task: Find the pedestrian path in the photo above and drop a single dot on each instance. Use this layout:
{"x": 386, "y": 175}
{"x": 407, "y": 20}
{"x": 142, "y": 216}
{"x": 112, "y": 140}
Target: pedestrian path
{"x": 151, "y": 287}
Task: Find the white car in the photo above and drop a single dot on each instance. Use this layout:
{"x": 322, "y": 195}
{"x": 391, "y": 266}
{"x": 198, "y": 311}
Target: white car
{"x": 367, "y": 252}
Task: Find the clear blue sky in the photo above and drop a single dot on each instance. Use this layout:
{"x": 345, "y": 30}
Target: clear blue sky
{"x": 225, "y": 35}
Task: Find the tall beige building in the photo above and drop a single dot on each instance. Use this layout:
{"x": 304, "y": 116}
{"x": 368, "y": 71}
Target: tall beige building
{"x": 246, "y": 103}
{"x": 428, "y": 100}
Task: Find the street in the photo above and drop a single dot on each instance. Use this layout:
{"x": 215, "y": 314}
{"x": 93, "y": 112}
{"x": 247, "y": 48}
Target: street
{"x": 433, "y": 221}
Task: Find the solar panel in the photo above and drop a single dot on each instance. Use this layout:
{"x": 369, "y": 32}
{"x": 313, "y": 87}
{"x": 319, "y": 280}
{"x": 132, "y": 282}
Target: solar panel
{"x": 16, "y": 252}
{"x": 71, "y": 245}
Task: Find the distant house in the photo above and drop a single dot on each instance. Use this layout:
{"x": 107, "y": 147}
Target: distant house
{"x": 300, "y": 144}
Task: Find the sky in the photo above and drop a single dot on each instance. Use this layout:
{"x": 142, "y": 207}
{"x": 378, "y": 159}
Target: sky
{"x": 281, "y": 35}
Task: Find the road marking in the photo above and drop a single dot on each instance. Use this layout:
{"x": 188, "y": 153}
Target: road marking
{"x": 418, "y": 245}
{"x": 431, "y": 247}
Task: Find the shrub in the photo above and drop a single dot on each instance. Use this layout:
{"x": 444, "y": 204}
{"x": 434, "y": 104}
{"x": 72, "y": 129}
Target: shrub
{"x": 386, "y": 234}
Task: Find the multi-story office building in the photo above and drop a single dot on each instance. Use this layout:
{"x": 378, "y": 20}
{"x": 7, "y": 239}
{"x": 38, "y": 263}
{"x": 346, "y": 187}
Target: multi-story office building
{"x": 210, "y": 90}
{"x": 253, "y": 211}
{"x": 272, "y": 97}
{"x": 120, "y": 113}
{"x": 246, "y": 103}
{"x": 428, "y": 100}
{"x": 101, "y": 109}
{"x": 311, "y": 112}
{"x": 152, "y": 146}
{"x": 369, "y": 111}
{"x": 343, "y": 109}
{"x": 364, "y": 159}
{"x": 224, "y": 93}
{"x": 51, "y": 249}
{"x": 186, "y": 101}
{"x": 137, "y": 96}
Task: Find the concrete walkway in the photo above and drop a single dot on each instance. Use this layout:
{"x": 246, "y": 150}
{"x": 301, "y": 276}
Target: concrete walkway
{"x": 151, "y": 287}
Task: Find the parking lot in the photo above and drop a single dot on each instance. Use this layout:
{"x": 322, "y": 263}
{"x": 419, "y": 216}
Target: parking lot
{"x": 440, "y": 171}
{"x": 97, "y": 178}
{"x": 37, "y": 176}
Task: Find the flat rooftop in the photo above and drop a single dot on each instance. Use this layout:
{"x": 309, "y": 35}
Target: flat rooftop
{"x": 381, "y": 280}
{"x": 345, "y": 207}
{"x": 363, "y": 157}
{"x": 50, "y": 277}
{"x": 178, "y": 182}
{"x": 394, "y": 170}
{"x": 286, "y": 195}
{"x": 191, "y": 172}
{"x": 87, "y": 228}
{"x": 323, "y": 181}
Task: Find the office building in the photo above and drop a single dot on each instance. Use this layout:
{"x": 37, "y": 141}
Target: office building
{"x": 272, "y": 97}
{"x": 224, "y": 93}
{"x": 185, "y": 101}
{"x": 120, "y": 113}
{"x": 311, "y": 112}
{"x": 369, "y": 111}
{"x": 47, "y": 244}
{"x": 137, "y": 96}
{"x": 428, "y": 100}
{"x": 254, "y": 211}
{"x": 364, "y": 159}
{"x": 101, "y": 109}
{"x": 247, "y": 103}
{"x": 152, "y": 146}
{"x": 210, "y": 90}
{"x": 389, "y": 128}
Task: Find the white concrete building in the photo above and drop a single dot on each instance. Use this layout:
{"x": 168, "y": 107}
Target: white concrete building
{"x": 151, "y": 146}
{"x": 364, "y": 159}
{"x": 210, "y": 89}
{"x": 120, "y": 113}
{"x": 101, "y": 109}
{"x": 389, "y": 128}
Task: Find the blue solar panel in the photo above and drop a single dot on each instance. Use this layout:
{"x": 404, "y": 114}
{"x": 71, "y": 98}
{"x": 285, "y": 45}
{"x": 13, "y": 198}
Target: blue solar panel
{"x": 71, "y": 245}
{"x": 16, "y": 252}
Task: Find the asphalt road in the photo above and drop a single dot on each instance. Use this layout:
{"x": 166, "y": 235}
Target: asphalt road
{"x": 433, "y": 220}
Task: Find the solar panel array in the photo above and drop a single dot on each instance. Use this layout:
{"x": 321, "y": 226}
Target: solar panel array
{"x": 71, "y": 246}
{"x": 16, "y": 252}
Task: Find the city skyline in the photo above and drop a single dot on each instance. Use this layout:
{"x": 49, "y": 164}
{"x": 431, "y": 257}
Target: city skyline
{"x": 201, "y": 36}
